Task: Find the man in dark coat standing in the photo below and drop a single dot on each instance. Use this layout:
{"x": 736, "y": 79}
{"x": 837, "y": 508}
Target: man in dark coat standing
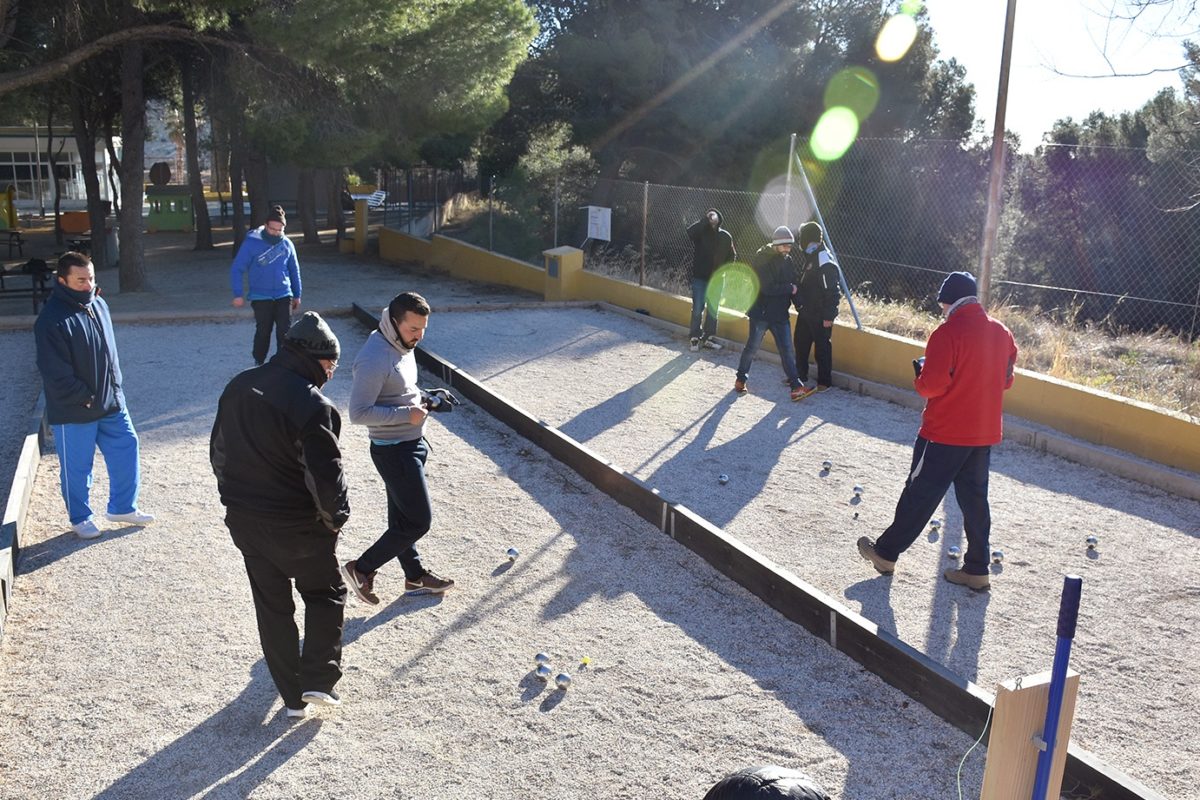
{"x": 275, "y": 452}
{"x": 769, "y": 312}
{"x": 85, "y": 401}
{"x": 713, "y": 249}
{"x": 817, "y": 296}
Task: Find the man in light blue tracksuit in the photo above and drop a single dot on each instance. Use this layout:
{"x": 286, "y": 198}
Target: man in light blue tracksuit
{"x": 85, "y": 405}
{"x": 269, "y": 258}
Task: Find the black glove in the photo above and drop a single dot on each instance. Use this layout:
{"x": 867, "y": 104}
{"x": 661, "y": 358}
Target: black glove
{"x": 439, "y": 400}
{"x": 918, "y": 364}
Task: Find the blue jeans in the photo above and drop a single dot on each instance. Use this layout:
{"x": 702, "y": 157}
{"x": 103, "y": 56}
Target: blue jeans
{"x": 706, "y": 294}
{"x": 781, "y": 332}
{"x": 935, "y": 467}
{"x": 410, "y": 512}
{"x": 76, "y": 445}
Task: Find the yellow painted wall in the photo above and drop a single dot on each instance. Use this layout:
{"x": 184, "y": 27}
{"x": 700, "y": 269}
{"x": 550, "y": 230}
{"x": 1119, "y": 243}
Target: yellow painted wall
{"x": 1104, "y": 419}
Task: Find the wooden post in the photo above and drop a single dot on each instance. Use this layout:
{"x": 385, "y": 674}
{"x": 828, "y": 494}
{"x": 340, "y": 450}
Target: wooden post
{"x": 1017, "y": 722}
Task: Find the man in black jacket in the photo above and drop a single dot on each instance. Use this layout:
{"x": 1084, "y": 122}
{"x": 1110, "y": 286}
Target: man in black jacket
{"x": 714, "y": 248}
{"x": 275, "y": 452}
{"x": 817, "y": 297}
{"x": 770, "y": 310}
{"x": 85, "y": 404}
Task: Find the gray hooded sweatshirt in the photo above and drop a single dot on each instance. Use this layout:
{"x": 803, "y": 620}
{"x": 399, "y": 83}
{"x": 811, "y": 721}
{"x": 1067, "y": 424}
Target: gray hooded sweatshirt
{"x": 384, "y": 388}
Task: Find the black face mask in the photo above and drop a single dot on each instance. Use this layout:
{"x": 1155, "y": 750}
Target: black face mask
{"x": 80, "y": 297}
{"x": 271, "y": 240}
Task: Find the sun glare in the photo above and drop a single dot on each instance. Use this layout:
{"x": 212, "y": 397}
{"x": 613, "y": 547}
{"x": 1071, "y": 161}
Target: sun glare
{"x": 896, "y": 37}
{"x": 834, "y": 133}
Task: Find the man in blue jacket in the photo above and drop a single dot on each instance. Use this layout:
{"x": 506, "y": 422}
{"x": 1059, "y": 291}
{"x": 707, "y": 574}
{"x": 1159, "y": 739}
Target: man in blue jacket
{"x": 269, "y": 258}
{"x": 85, "y": 405}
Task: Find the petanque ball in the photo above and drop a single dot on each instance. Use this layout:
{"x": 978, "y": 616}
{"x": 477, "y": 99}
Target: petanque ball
{"x": 1092, "y": 542}
{"x": 543, "y": 672}
{"x": 997, "y": 556}
{"x": 722, "y": 479}
{"x": 562, "y": 680}
{"x": 953, "y": 552}
{"x": 513, "y": 553}
{"x": 541, "y": 658}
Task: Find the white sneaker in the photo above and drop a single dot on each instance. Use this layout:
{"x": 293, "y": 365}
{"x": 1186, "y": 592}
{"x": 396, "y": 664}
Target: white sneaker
{"x": 694, "y": 345}
{"x": 297, "y": 713}
{"x": 316, "y": 698}
{"x": 86, "y": 529}
{"x": 712, "y": 344}
{"x": 134, "y": 517}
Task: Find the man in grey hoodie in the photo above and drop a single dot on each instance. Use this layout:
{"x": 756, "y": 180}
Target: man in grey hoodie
{"x": 385, "y": 397}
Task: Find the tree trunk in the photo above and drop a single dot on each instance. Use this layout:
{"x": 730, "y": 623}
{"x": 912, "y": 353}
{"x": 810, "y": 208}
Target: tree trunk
{"x": 306, "y": 201}
{"x": 114, "y": 189}
{"x": 254, "y": 164}
{"x": 50, "y": 156}
{"x": 334, "y": 218}
{"x": 133, "y": 181}
{"x": 235, "y": 185}
{"x": 204, "y": 240}
{"x": 220, "y": 155}
{"x": 85, "y": 142}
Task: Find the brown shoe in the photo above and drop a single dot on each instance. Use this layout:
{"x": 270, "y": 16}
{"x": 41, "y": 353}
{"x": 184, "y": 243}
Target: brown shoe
{"x": 866, "y": 549}
{"x": 977, "y": 583}
{"x": 427, "y": 584}
{"x": 362, "y": 585}
{"x": 739, "y": 387}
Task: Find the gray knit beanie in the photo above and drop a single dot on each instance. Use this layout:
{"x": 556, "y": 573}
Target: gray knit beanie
{"x": 311, "y": 334}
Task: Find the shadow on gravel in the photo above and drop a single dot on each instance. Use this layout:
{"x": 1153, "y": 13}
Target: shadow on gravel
{"x": 44, "y": 553}
{"x": 226, "y": 755}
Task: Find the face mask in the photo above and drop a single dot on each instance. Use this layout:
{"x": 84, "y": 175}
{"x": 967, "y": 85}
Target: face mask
{"x": 272, "y": 240}
{"x": 812, "y": 248}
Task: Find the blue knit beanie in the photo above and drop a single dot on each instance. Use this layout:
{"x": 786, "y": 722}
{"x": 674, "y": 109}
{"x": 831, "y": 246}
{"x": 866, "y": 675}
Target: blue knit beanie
{"x": 956, "y": 286}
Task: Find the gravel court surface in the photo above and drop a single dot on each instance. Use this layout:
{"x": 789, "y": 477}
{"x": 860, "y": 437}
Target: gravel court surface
{"x": 632, "y": 392}
{"x": 132, "y": 665}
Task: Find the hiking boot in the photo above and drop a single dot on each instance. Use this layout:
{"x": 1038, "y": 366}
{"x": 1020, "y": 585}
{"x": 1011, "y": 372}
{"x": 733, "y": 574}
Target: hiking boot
{"x": 739, "y": 386}
{"x": 329, "y": 699}
{"x": 86, "y": 529}
{"x": 711, "y": 343}
{"x": 976, "y": 583}
{"x": 799, "y": 393}
{"x": 427, "y": 584}
{"x": 866, "y": 549}
{"x": 694, "y": 345}
{"x": 362, "y": 585}
{"x": 134, "y": 517}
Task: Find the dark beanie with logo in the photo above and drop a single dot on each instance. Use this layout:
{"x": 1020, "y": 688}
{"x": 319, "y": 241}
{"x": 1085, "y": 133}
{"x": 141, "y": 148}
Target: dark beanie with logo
{"x": 276, "y": 215}
{"x": 311, "y": 334}
{"x": 956, "y": 286}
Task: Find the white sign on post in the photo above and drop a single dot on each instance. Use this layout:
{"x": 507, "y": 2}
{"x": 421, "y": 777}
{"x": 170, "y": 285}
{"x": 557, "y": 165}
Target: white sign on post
{"x": 599, "y": 221}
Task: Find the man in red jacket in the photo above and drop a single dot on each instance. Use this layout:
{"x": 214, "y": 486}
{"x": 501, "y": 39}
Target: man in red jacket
{"x": 968, "y": 364}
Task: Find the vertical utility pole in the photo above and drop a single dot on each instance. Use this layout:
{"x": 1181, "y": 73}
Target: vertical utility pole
{"x": 556, "y": 211}
{"x": 787, "y": 187}
{"x": 491, "y": 192}
{"x": 996, "y": 181}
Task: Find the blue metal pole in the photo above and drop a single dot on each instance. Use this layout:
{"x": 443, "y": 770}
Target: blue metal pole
{"x": 1068, "y": 614}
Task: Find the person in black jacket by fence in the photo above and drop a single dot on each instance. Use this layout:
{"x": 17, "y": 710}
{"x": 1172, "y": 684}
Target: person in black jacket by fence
{"x": 769, "y": 312}
{"x": 714, "y": 248}
{"x": 85, "y": 404}
{"x": 275, "y": 452}
{"x": 817, "y": 296}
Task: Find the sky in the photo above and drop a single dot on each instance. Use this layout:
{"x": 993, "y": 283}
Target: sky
{"x": 1065, "y": 34}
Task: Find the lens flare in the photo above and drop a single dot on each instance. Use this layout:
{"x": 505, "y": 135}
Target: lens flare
{"x": 834, "y": 133}
{"x": 740, "y": 286}
{"x": 855, "y": 88}
{"x": 911, "y": 7}
{"x": 896, "y": 37}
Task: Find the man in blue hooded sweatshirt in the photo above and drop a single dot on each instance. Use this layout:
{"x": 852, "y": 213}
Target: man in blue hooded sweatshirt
{"x": 85, "y": 405}
{"x": 274, "y": 272}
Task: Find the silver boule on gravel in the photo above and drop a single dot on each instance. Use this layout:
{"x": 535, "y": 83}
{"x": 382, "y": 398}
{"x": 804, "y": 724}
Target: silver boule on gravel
{"x": 953, "y": 552}
{"x": 1093, "y": 542}
{"x": 858, "y": 490}
{"x": 543, "y": 672}
{"x": 722, "y": 479}
{"x": 997, "y": 556}
{"x": 562, "y": 680}
{"x": 512, "y": 553}
{"x": 826, "y": 465}
{"x": 541, "y": 658}
{"x": 935, "y": 523}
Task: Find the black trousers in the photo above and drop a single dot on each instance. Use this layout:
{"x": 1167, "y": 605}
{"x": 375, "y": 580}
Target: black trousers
{"x": 935, "y": 468}
{"x": 269, "y": 314}
{"x": 277, "y": 553}
{"x": 410, "y": 511}
{"x": 812, "y": 335}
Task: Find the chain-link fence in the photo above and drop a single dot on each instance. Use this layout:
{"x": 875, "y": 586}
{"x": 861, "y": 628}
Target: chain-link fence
{"x": 1105, "y": 236}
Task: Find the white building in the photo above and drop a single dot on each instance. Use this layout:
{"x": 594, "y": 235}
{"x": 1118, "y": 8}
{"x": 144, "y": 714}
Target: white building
{"x": 24, "y": 164}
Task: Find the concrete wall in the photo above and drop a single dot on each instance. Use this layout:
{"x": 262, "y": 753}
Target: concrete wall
{"x": 1103, "y": 419}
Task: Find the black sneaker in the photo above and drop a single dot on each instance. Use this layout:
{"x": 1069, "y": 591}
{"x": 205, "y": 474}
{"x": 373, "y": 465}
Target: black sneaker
{"x": 427, "y": 584}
